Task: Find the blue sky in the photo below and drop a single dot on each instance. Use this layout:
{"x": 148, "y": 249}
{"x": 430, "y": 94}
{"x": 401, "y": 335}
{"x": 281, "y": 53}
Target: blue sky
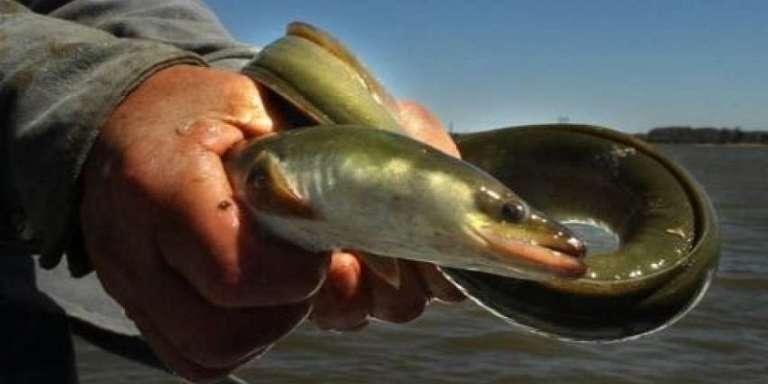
{"x": 630, "y": 65}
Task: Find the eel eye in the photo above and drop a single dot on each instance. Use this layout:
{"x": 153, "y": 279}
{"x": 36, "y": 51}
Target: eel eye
{"x": 513, "y": 212}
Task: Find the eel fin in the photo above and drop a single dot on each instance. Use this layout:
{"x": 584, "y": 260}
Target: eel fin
{"x": 385, "y": 267}
{"x": 272, "y": 192}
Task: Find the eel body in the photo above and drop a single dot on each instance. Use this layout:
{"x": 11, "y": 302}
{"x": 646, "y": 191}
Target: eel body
{"x": 380, "y": 193}
{"x": 664, "y": 223}
{"x": 668, "y": 242}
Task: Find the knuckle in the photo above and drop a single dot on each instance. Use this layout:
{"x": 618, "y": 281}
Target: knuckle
{"x": 242, "y": 82}
{"x": 237, "y": 84}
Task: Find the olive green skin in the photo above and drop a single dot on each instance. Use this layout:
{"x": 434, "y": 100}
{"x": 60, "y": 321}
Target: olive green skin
{"x": 566, "y": 171}
{"x": 620, "y": 183}
{"x": 306, "y": 75}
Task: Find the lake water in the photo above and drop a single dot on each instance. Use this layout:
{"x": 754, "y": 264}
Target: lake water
{"x": 725, "y": 339}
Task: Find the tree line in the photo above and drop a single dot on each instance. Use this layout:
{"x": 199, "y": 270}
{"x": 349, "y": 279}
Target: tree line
{"x": 704, "y": 135}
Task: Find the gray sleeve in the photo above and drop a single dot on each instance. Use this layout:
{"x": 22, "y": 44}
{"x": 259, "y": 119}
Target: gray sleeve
{"x": 185, "y": 24}
{"x": 61, "y": 74}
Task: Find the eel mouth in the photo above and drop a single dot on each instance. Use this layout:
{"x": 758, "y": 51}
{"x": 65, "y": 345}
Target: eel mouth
{"x": 555, "y": 252}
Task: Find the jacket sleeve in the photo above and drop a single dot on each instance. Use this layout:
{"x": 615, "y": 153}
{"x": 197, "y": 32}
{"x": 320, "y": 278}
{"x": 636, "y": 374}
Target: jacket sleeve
{"x": 64, "y": 66}
{"x": 186, "y": 24}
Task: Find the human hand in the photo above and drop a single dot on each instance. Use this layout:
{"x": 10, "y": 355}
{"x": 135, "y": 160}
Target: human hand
{"x": 167, "y": 239}
{"x": 352, "y": 293}
{"x": 169, "y": 243}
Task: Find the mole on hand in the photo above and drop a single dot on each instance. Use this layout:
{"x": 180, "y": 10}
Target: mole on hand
{"x": 224, "y": 205}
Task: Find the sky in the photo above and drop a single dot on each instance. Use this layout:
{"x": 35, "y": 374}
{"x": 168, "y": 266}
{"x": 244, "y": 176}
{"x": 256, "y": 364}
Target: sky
{"x": 478, "y": 65}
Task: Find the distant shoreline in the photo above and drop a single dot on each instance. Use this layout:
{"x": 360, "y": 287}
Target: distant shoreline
{"x": 740, "y": 145}
{"x": 705, "y": 136}
{"x": 745, "y": 145}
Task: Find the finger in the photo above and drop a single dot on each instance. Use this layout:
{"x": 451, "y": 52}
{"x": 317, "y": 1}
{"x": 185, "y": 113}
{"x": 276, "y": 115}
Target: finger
{"x": 343, "y": 303}
{"x": 235, "y": 99}
{"x": 422, "y": 125}
{"x": 208, "y": 240}
{"x": 206, "y": 335}
{"x": 208, "y": 134}
{"x": 174, "y": 360}
{"x": 210, "y": 336}
{"x": 398, "y": 305}
{"x": 248, "y": 109}
{"x": 436, "y": 284}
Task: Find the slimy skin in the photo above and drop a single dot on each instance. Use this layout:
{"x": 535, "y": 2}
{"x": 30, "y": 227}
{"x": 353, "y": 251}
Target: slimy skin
{"x": 665, "y": 223}
{"x": 355, "y": 188}
{"x": 329, "y": 86}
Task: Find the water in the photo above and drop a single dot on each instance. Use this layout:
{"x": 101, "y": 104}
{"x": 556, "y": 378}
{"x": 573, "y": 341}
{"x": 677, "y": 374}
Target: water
{"x": 725, "y": 339}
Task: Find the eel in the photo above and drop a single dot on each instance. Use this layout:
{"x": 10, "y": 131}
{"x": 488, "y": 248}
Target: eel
{"x": 663, "y": 219}
{"x": 353, "y": 180}
{"x": 665, "y": 224}
{"x": 347, "y": 187}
